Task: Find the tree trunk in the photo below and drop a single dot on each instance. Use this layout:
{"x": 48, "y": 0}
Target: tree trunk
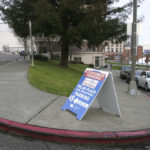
{"x": 64, "y": 52}
{"x": 25, "y": 45}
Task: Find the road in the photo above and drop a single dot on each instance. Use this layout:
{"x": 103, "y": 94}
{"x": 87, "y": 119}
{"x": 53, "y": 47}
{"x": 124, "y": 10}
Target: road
{"x": 13, "y": 142}
{"x": 7, "y": 58}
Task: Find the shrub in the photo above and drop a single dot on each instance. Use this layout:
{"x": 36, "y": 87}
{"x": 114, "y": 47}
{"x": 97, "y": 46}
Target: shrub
{"x": 74, "y": 62}
{"x": 55, "y": 57}
{"x": 91, "y": 65}
{"x": 40, "y": 57}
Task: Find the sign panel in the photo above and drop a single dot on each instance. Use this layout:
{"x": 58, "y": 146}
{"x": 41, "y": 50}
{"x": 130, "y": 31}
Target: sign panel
{"x": 85, "y": 92}
{"x": 107, "y": 97}
{"x": 129, "y": 29}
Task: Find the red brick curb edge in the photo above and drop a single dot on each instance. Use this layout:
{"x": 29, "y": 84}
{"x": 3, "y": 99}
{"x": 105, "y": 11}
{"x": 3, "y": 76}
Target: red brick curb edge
{"x": 70, "y": 136}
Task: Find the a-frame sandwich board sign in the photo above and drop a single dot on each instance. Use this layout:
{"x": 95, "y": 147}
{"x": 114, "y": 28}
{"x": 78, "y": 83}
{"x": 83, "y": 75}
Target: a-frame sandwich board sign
{"x": 94, "y": 84}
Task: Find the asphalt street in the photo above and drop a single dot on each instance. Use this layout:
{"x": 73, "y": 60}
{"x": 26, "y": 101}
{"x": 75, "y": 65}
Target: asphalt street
{"x": 14, "y": 142}
{"x": 8, "y": 58}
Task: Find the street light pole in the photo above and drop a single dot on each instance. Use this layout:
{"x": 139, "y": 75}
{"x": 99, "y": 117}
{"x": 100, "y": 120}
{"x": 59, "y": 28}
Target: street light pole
{"x": 132, "y": 86}
{"x": 30, "y": 30}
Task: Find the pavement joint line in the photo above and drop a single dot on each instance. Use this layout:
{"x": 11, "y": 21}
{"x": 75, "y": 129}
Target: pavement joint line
{"x": 42, "y": 109}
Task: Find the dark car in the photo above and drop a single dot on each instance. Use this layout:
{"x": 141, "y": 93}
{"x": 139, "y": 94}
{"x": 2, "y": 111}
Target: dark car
{"x": 125, "y": 70}
{"x": 137, "y": 73}
{"x": 23, "y": 53}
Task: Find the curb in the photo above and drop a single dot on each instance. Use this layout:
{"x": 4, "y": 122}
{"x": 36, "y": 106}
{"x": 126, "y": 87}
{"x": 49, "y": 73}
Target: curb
{"x": 73, "y": 137}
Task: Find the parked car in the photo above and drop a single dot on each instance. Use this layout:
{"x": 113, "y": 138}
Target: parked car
{"x": 144, "y": 80}
{"x": 125, "y": 70}
{"x": 137, "y": 73}
{"x": 23, "y": 53}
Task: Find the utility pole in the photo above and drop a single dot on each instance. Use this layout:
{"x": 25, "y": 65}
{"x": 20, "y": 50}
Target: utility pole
{"x": 132, "y": 86}
{"x": 30, "y": 30}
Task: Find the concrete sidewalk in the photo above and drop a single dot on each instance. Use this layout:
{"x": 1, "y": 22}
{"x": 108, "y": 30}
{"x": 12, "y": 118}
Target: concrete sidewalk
{"x": 28, "y": 106}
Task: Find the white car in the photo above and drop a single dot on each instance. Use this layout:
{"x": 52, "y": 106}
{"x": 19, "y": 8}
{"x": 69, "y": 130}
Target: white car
{"x": 144, "y": 80}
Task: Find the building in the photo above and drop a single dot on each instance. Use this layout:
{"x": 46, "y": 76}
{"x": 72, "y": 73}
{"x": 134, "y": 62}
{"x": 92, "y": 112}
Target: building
{"x": 127, "y": 54}
{"x": 114, "y": 50}
{"x": 87, "y": 56}
{"x": 93, "y": 56}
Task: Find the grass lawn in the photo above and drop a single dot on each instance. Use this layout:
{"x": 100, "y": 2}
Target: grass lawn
{"x": 50, "y": 77}
{"x": 114, "y": 67}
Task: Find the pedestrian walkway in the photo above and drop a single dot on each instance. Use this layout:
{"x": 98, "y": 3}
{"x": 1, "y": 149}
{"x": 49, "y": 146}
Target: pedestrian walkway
{"x": 27, "y": 107}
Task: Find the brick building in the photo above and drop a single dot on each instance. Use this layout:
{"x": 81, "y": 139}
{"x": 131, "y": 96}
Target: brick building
{"x": 127, "y": 54}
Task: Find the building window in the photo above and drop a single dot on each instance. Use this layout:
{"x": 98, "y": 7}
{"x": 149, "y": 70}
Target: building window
{"x": 77, "y": 59}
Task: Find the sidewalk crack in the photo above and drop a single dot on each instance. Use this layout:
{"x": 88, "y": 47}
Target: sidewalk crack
{"x": 41, "y": 110}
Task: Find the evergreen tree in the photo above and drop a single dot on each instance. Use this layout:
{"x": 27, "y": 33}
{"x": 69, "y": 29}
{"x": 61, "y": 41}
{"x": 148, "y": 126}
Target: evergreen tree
{"x": 70, "y": 20}
{"x": 75, "y": 20}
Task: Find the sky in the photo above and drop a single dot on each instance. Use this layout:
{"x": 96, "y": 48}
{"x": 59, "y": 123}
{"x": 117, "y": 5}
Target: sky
{"x": 143, "y": 10}
{"x": 8, "y": 38}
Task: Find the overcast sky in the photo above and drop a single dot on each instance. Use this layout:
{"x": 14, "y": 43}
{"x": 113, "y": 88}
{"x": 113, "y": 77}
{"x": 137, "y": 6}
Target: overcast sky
{"x": 144, "y": 10}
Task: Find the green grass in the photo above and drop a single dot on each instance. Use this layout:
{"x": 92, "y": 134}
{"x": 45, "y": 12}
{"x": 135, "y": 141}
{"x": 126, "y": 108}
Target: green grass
{"x": 116, "y": 67}
{"x": 115, "y": 63}
{"x": 50, "y": 77}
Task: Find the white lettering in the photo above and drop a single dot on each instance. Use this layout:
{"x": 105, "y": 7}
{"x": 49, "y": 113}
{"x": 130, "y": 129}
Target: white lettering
{"x": 82, "y": 96}
{"x": 77, "y": 101}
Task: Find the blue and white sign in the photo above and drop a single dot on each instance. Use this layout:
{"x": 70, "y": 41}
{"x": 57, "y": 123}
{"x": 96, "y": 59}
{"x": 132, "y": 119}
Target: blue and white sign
{"x": 85, "y": 92}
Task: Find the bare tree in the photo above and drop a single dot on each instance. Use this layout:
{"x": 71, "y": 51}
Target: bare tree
{"x": 147, "y": 59}
{"x": 6, "y": 48}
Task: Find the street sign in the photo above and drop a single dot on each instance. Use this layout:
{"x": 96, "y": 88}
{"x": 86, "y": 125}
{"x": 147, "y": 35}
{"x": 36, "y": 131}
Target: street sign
{"x": 88, "y": 88}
